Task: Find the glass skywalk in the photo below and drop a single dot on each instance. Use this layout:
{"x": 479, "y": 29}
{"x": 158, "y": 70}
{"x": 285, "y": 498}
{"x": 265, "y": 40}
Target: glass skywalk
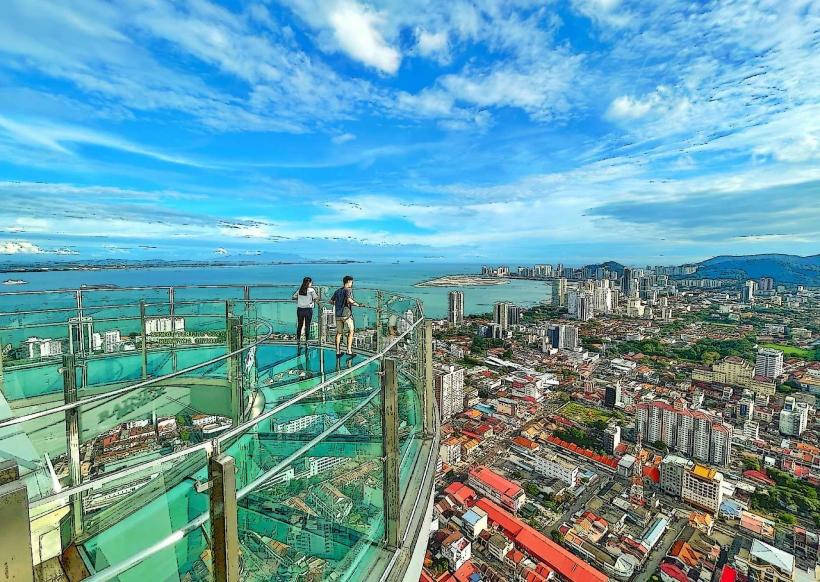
{"x": 115, "y": 403}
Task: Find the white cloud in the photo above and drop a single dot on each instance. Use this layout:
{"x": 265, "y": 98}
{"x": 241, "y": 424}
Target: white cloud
{"x": 625, "y": 107}
{"x": 433, "y": 44}
{"x": 343, "y": 138}
{"x": 221, "y": 251}
{"x": 19, "y": 248}
{"x": 54, "y": 137}
{"x": 605, "y": 12}
{"x": 356, "y": 29}
{"x": 22, "y": 247}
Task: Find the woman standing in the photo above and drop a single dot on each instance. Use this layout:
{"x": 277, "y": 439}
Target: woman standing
{"x": 306, "y": 298}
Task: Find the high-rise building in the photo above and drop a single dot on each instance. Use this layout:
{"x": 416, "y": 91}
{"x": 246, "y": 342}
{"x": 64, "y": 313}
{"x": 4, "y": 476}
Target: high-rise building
{"x": 794, "y": 417}
{"x": 765, "y": 284}
{"x": 612, "y": 438}
{"x": 501, "y": 315}
{"x": 629, "y": 284}
{"x": 769, "y": 363}
{"x": 560, "y": 291}
{"x": 703, "y": 488}
{"x": 672, "y": 469}
{"x": 455, "y": 311}
{"x": 747, "y": 292}
{"x": 43, "y": 348}
{"x": 580, "y": 305}
{"x": 563, "y": 337}
{"x": 449, "y": 388}
{"x": 692, "y": 432}
{"x": 111, "y": 340}
{"x": 612, "y": 395}
{"x": 514, "y": 313}
{"x": 163, "y": 325}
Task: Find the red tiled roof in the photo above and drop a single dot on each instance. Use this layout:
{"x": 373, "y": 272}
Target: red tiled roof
{"x": 460, "y": 492}
{"x": 540, "y": 547}
{"x": 728, "y": 574}
{"x": 674, "y": 572}
{"x": 495, "y": 481}
{"x": 653, "y": 473}
{"x": 758, "y": 476}
{"x": 463, "y": 574}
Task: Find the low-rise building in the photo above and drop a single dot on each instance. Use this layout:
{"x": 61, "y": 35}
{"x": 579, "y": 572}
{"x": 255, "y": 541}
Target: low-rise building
{"x": 504, "y": 492}
{"x": 456, "y": 549}
{"x": 555, "y": 466}
{"x": 766, "y": 563}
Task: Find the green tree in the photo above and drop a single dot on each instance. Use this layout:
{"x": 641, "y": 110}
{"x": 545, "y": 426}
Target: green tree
{"x": 787, "y": 518}
{"x": 751, "y": 464}
{"x": 479, "y": 345}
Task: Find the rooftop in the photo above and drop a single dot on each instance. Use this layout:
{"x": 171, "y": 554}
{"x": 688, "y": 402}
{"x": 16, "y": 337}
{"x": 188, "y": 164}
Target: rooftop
{"x": 781, "y": 560}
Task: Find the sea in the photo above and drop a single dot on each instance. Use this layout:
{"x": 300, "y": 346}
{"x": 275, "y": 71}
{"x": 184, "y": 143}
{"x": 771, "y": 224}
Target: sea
{"x": 400, "y": 278}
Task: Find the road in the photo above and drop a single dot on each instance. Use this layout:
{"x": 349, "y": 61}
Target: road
{"x": 653, "y": 562}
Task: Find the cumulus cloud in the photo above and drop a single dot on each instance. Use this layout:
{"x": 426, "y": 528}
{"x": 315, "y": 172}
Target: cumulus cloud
{"x": 433, "y": 44}
{"x": 22, "y": 247}
{"x": 356, "y": 30}
{"x": 19, "y": 248}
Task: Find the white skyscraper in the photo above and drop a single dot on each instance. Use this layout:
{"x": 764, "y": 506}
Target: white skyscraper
{"x": 692, "y": 432}
{"x": 747, "y": 293}
{"x": 769, "y": 363}
{"x": 794, "y": 417}
{"x": 455, "y": 311}
{"x": 449, "y": 388}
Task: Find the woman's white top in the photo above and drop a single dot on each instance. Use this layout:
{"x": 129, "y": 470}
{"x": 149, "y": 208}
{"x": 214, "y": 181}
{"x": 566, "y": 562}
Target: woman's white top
{"x": 308, "y": 299}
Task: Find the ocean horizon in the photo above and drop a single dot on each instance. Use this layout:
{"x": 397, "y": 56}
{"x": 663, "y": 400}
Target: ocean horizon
{"x": 400, "y": 278}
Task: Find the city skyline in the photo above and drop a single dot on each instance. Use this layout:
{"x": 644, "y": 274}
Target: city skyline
{"x": 411, "y": 130}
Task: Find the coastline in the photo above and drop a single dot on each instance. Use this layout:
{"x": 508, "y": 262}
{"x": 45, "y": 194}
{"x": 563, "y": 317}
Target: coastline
{"x": 138, "y": 265}
{"x": 463, "y": 280}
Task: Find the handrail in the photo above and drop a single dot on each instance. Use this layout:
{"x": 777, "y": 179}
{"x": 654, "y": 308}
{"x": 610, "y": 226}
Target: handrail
{"x": 219, "y": 440}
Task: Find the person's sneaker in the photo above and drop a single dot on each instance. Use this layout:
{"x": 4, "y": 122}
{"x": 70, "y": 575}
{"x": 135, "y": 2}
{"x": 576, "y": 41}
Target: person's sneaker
{"x": 339, "y": 355}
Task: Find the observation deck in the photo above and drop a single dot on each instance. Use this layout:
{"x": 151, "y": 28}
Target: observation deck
{"x": 179, "y": 433}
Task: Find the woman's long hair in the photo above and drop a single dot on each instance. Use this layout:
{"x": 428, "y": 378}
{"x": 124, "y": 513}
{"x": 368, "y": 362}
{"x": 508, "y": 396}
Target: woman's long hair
{"x": 305, "y": 284}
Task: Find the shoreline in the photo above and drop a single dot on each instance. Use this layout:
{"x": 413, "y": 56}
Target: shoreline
{"x": 57, "y": 268}
{"x": 463, "y": 280}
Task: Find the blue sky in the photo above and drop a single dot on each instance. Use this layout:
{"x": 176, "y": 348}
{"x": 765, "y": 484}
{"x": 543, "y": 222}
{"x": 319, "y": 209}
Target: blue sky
{"x": 572, "y": 131}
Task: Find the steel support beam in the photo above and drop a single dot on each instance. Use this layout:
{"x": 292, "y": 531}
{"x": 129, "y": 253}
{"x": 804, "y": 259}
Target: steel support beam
{"x": 72, "y": 431}
{"x": 16, "y": 559}
{"x": 235, "y": 364}
{"x": 2, "y": 381}
{"x": 144, "y": 340}
{"x": 428, "y": 395}
{"x": 390, "y": 432}
{"x": 224, "y": 521}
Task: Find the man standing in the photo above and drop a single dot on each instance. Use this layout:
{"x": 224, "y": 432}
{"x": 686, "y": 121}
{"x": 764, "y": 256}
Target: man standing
{"x": 343, "y": 302}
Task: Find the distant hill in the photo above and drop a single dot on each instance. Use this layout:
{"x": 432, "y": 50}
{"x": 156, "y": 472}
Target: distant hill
{"x": 613, "y": 266}
{"x": 784, "y": 269}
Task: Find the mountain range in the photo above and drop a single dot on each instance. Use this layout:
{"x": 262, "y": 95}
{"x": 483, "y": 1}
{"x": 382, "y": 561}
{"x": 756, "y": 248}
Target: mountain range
{"x": 784, "y": 269}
